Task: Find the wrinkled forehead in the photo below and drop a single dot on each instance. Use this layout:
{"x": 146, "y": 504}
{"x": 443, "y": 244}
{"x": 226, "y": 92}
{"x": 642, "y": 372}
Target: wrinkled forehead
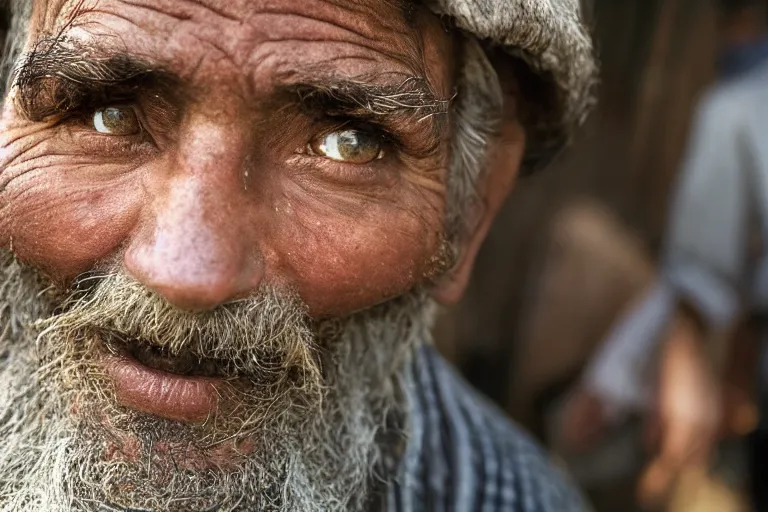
{"x": 221, "y": 39}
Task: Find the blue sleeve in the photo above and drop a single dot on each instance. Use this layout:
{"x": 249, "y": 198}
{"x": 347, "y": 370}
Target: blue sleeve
{"x": 704, "y": 260}
{"x": 705, "y": 253}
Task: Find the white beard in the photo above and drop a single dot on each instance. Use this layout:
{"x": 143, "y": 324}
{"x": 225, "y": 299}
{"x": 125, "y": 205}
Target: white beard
{"x": 53, "y": 459}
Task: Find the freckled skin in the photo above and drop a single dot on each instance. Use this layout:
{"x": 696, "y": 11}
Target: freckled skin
{"x": 226, "y": 200}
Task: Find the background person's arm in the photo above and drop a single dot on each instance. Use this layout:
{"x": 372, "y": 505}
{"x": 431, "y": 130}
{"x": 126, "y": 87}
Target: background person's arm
{"x": 705, "y": 256}
{"x": 661, "y": 339}
{"x": 703, "y": 266}
{"x": 705, "y": 263}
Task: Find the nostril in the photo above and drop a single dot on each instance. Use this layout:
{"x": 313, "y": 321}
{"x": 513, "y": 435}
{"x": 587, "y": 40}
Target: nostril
{"x": 86, "y": 282}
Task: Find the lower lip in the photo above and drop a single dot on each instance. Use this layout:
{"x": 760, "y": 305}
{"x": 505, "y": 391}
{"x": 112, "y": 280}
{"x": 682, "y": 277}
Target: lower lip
{"x": 173, "y": 397}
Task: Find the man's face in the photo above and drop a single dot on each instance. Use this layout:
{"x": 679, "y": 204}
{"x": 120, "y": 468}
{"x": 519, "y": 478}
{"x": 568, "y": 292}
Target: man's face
{"x": 216, "y": 146}
{"x": 215, "y": 185}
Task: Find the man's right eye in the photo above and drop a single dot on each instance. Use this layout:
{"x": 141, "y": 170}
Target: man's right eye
{"x": 116, "y": 121}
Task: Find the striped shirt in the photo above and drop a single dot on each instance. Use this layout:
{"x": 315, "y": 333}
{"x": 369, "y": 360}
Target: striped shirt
{"x": 463, "y": 454}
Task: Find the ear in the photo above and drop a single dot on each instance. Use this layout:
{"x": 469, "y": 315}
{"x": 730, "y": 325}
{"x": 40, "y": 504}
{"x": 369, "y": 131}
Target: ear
{"x": 505, "y": 155}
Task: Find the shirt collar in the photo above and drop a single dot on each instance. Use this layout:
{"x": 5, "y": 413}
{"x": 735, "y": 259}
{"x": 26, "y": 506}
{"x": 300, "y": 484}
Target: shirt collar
{"x": 740, "y": 59}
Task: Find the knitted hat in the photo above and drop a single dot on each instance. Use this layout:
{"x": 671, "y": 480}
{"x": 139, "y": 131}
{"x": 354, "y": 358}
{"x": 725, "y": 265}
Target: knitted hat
{"x": 549, "y": 36}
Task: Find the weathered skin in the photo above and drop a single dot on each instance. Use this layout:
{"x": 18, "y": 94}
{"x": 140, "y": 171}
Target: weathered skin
{"x": 222, "y": 189}
{"x": 225, "y": 196}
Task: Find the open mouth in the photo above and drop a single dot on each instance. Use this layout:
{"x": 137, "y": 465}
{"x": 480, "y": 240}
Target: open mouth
{"x": 149, "y": 379}
{"x": 158, "y": 358}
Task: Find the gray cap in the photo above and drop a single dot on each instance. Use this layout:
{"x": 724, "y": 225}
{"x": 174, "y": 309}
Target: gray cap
{"x": 550, "y": 37}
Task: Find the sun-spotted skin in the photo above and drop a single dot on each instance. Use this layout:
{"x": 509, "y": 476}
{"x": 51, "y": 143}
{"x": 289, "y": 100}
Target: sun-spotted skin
{"x": 224, "y": 195}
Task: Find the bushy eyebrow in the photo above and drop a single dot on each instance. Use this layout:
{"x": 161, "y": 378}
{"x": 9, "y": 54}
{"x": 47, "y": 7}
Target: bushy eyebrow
{"x": 59, "y": 75}
{"x": 412, "y": 97}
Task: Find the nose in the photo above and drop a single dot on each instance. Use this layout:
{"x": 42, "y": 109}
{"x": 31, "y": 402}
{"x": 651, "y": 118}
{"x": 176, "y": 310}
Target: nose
{"x": 196, "y": 248}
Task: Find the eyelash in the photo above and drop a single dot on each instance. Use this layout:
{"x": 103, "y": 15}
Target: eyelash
{"x": 392, "y": 144}
{"x": 80, "y": 122}
{"x": 334, "y": 124}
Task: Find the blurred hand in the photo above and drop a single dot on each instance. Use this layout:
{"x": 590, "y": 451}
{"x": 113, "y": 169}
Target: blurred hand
{"x": 688, "y": 412}
{"x": 583, "y": 423}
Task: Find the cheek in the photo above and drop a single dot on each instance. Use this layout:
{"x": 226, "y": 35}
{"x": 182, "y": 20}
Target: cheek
{"x": 64, "y": 227}
{"x": 342, "y": 263}
{"x": 343, "y": 248}
{"x": 61, "y": 208}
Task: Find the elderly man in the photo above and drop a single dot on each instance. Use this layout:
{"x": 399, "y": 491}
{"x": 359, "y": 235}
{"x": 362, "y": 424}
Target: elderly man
{"x": 225, "y": 227}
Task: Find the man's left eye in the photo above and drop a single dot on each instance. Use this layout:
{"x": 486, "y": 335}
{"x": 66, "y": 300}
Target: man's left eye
{"x": 116, "y": 121}
{"x": 349, "y": 146}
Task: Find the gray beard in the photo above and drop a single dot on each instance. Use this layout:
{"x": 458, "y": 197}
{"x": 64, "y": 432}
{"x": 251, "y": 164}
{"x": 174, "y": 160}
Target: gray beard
{"x": 317, "y": 446}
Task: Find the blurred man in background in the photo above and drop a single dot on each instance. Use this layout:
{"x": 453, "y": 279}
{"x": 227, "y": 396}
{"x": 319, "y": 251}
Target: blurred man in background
{"x": 712, "y": 275}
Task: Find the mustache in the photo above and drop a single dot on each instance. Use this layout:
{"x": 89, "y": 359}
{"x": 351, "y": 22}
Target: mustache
{"x": 269, "y": 332}
{"x": 313, "y": 445}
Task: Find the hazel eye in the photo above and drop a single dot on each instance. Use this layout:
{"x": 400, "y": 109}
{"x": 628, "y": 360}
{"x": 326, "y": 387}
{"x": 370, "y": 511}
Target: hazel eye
{"x": 116, "y": 121}
{"x": 350, "y": 146}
